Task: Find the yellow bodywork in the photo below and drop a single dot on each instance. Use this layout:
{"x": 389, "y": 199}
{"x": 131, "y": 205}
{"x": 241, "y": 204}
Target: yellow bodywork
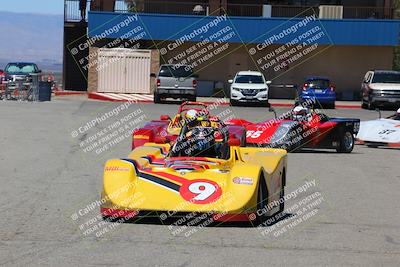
{"x": 150, "y": 181}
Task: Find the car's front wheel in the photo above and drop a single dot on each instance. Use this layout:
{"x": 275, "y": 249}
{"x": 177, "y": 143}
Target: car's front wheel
{"x": 266, "y": 103}
{"x": 282, "y": 193}
{"x": 346, "y": 141}
{"x": 371, "y": 105}
{"x": 363, "y": 104}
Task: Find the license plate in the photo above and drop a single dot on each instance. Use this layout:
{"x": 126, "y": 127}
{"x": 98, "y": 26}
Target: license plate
{"x": 249, "y": 97}
{"x": 174, "y": 91}
{"x": 318, "y": 91}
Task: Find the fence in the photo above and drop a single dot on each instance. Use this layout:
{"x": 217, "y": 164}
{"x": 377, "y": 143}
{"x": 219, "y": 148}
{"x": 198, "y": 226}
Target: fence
{"x": 72, "y": 12}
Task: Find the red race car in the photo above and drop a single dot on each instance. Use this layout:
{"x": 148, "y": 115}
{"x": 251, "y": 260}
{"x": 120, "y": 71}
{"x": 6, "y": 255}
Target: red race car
{"x": 166, "y": 130}
{"x": 302, "y": 128}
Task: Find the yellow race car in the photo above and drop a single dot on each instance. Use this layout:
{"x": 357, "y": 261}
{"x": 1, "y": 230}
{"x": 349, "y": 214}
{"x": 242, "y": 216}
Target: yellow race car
{"x": 197, "y": 175}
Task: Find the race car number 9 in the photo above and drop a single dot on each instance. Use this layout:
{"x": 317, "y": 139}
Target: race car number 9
{"x": 200, "y": 191}
{"x": 253, "y": 134}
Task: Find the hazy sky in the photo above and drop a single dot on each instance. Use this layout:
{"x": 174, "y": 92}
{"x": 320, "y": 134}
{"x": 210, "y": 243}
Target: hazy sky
{"x": 33, "y": 6}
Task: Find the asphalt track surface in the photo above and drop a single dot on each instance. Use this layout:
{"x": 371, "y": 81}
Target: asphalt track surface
{"x": 46, "y": 178}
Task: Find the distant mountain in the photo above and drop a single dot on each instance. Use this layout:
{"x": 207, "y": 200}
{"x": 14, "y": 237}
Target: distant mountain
{"x": 31, "y": 37}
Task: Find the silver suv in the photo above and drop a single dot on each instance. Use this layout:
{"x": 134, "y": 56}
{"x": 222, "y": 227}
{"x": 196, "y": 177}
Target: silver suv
{"x": 177, "y": 82}
{"x": 379, "y": 88}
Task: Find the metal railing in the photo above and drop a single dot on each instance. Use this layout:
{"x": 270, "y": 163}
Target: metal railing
{"x": 368, "y": 12}
{"x": 72, "y": 12}
{"x": 285, "y": 11}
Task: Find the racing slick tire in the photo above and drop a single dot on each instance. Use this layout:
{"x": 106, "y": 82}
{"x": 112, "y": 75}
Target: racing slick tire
{"x": 262, "y": 202}
{"x": 282, "y": 193}
{"x": 157, "y": 98}
{"x": 346, "y": 141}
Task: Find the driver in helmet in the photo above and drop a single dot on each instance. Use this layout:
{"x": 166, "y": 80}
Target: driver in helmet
{"x": 397, "y": 115}
{"x": 201, "y": 142}
{"x": 300, "y": 113}
{"x": 191, "y": 115}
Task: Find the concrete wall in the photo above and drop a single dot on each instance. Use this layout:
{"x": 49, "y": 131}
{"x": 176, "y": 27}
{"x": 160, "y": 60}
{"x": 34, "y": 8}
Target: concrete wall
{"x": 345, "y": 65}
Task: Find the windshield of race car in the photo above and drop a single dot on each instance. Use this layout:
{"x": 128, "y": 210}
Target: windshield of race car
{"x": 198, "y": 138}
{"x": 196, "y": 142}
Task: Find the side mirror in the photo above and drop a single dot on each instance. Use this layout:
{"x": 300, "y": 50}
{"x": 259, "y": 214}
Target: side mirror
{"x": 271, "y": 109}
{"x": 165, "y": 118}
{"x": 153, "y": 75}
{"x": 230, "y": 81}
{"x": 379, "y": 111}
{"x": 268, "y": 82}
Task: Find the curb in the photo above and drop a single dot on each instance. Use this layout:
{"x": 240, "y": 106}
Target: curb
{"x": 68, "y": 93}
{"x": 94, "y": 96}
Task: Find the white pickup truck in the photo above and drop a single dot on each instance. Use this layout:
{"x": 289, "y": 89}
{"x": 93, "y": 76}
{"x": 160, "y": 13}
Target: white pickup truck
{"x": 380, "y": 88}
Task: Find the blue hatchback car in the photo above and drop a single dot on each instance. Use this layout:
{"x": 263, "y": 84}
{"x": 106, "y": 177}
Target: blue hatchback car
{"x": 319, "y": 89}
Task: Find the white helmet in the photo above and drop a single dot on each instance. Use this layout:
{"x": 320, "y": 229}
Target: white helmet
{"x": 191, "y": 114}
{"x": 299, "y": 112}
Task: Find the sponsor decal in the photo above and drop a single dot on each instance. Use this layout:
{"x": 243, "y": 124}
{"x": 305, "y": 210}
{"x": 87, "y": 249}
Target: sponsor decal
{"x": 243, "y": 180}
{"x": 116, "y": 169}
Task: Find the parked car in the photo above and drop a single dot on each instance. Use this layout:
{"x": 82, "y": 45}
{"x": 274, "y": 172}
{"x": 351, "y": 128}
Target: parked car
{"x": 380, "y": 88}
{"x": 2, "y": 76}
{"x": 249, "y": 87}
{"x": 20, "y": 70}
{"x": 381, "y": 132}
{"x": 318, "y": 89}
{"x": 175, "y": 81}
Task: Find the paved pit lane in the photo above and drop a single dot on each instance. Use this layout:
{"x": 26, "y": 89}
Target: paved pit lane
{"x": 347, "y": 214}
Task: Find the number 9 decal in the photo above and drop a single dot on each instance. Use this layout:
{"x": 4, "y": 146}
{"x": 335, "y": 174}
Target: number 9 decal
{"x": 200, "y": 191}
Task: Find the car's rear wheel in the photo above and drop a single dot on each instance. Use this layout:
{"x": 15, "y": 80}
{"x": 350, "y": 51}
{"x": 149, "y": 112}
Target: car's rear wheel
{"x": 346, "y": 141}
{"x": 157, "y": 98}
{"x": 364, "y": 106}
{"x": 262, "y": 202}
{"x": 332, "y": 105}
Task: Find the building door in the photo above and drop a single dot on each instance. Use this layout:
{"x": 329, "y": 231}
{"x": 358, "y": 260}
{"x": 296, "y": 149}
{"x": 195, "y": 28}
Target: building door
{"x": 123, "y": 70}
